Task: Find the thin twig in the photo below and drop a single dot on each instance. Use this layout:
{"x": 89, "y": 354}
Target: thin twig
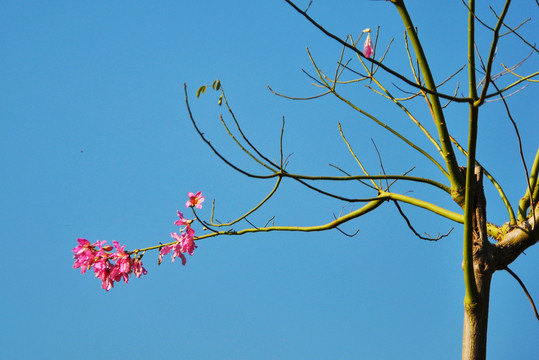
{"x": 521, "y": 152}
{"x": 201, "y": 134}
{"x": 391, "y": 71}
{"x": 381, "y": 163}
{"x": 299, "y": 98}
{"x": 308, "y": 6}
{"x": 525, "y": 291}
{"x": 241, "y": 131}
{"x": 344, "y": 233}
{"x": 429, "y": 238}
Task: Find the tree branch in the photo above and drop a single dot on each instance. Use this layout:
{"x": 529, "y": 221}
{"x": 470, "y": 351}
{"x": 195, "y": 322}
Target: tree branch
{"x": 492, "y": 52}
{"x": 525, "y": 291}
{"x": 455, "y": 177}
{"x": 387, "y": 69}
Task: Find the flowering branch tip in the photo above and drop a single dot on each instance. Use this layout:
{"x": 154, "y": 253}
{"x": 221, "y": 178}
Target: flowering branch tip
{"x": 110, "y": 267}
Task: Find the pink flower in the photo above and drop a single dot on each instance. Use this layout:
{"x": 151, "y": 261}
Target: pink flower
{"x": 367, "y": 47}
{"x": 178, "y": 248}
{"x": 183, "y": 221}
{"x": 186, "y": 242}
{"x": 187, "y": 223}
{"x": 102, "y": 270}
{"x": 122, "y": 268}
{"x": 102, "y": 265}
{"x": 107, "y": 283}
{"x": 137, "y": 268}
{"x": 195, "y": 200}
{"x": 84, "y": 255}
{"x": 163, "y": 251}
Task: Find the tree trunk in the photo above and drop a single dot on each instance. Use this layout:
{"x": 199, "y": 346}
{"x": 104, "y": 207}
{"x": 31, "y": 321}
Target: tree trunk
{"x": 474, "y": 339}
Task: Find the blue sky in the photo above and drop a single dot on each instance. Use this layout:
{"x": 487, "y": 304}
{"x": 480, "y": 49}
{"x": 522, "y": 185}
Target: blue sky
{"x": 95, "y": 142}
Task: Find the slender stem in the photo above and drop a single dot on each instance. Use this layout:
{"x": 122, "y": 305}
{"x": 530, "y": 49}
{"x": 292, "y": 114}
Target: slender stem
{"x": 522, "y": 79}
{"x": 368, "y": 177}
{"x": 391, "y": 130}
{"x": 425, "y": 205}
{"x": 524, "y": 203}
{"x": 472, "y": 294}
{"x": 407, "y": 112}
{"x": 373, "y": 61}
{"x": 250, "y": 211}
{"x": 201, "y": 134}
{"x": 455, "y": 176}
{"x": 355, "y": 157}
{"x": 493, "y": 48}
{"x": 331, "y": 225}
{"x": 241, "y": 146}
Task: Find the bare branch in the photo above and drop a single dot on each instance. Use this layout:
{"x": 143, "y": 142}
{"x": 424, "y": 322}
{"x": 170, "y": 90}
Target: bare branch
{"x": 258, "y": 206}
{"x": 429, "y": 238}
{"x": 391, "y": 130}
{"x": 524, "y": 78}
{"x": 201, "y": 134}
{"x": 243, "y": 135}
{"x": 492, "y": 52}
{"x": 342, "y": 232}
{"x": 387, "y": 69}
{"x": 476, "y": 17}
{"x": 513, "y": 31}
{"x": 525, "y": 291}
{"x": 331, "y": 225}
{"x": 299, "y": 98}
{"x": 381, "y": 164}
{"x": 521, "y": 152}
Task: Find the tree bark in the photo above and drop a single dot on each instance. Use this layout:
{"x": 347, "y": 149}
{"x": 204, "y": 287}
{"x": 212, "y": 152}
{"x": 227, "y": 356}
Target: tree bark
{"x": 474, "y": 339}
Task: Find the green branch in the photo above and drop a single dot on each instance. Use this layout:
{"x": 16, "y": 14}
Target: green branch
{"x": 377, "y": 63}
{"x": 248, "y": 212}
{"x": 369, "y": 177}
{"x": 493, "y": 48}
{"x": 525, "y": 202}
{"x": 331, "y": 225}
{"x": 407, "y": 112}
{"x": 425, "y": 205}
{"x": 472, "y": 294}
{"x": 391, "y": 130}
{"x": 455, "y": 176}
{"x": 522, "y": 79}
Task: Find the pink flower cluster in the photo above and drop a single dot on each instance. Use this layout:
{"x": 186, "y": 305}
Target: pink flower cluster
{"x": 185, "y": 241}
{"x": 114, "y": 266}
{"x": 108, "y": 266}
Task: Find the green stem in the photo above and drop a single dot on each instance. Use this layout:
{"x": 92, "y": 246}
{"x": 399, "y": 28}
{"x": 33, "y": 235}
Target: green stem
{"x": 368, "y": 177}
{"x": 425, "y": 205}
{"x": 524, "y": 203}
{"x": 492, "y": 53}
{"x": 508, "y": 87}
{"x": 455, "y": 176}
{"x": 390, "y": 129}
{"x": 331, "y": 225}
{"x": 472, "y": 295}
{"x": 248, "y": 212}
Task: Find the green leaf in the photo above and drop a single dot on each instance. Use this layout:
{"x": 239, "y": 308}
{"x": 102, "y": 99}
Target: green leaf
{"x": 201, "y": 90}
{"x": 220, "y": 102}
{"x": 216, "y": 84}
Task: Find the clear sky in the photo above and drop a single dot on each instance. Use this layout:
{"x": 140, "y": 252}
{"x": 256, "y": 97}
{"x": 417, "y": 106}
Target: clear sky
{"x": 95, "y": 142}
